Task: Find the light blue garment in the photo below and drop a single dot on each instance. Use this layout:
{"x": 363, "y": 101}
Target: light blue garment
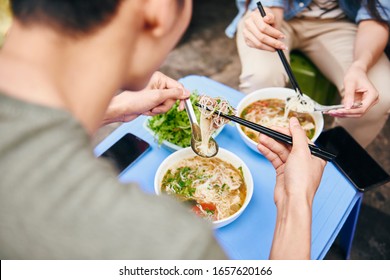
{"x": 353, "y": 12}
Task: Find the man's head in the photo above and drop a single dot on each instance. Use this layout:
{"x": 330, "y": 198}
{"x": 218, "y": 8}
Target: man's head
{"x": 150, "y": 28}
{"x": 72, "y": 17}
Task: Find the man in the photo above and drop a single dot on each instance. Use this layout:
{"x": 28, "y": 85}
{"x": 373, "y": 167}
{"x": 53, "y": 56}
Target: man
{"x": 59, "y": 68}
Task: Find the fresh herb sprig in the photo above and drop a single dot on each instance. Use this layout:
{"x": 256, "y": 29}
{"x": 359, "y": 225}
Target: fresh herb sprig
{"x": 174, "y": 125}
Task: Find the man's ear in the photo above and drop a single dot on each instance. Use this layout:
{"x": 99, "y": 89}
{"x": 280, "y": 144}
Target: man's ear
{"x": 160, "y": 16}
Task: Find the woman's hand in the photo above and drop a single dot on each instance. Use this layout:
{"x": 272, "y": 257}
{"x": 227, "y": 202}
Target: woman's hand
{"x": 262, "y": 33}
{"x": 298, "y": 175}
{"x": 157, "y": 98}
{"x": 358, "y": 88}
{"x": 371, "y": 39}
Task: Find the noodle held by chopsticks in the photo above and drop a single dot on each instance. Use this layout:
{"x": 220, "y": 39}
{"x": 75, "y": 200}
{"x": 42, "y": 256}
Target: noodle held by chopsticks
{"x": 211, "y": 121}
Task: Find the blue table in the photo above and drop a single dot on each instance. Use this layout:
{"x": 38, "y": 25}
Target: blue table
{"x": 336, "y": 204}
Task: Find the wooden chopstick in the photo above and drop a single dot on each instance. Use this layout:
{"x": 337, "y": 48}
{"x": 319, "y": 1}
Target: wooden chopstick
{"x": 315, "y": 151}
{"x": 283, "y": 58}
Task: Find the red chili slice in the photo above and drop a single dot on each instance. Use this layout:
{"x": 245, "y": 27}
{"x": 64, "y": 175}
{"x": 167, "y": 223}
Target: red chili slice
{"x": 208, "y": 207}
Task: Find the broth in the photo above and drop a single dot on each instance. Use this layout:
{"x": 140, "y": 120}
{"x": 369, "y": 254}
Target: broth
{"x": 271, "y": 112}
{"x": 216, "y": 188}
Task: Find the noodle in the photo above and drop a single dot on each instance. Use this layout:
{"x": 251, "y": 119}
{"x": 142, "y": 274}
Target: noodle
{"x": 300, "y": 104}
{"x": 210, "y": 121}
{"x": 216, "y": 187}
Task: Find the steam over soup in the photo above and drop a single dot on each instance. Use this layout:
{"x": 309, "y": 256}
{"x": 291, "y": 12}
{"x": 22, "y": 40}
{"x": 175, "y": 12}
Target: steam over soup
{"x": 271, "y": 112}
{"x": 215, "y": 188}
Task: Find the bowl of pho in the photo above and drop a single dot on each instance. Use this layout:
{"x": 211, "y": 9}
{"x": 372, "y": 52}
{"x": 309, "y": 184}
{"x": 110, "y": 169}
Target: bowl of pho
{"x": 267, "y": 107}
{"x": 217, "y": 189}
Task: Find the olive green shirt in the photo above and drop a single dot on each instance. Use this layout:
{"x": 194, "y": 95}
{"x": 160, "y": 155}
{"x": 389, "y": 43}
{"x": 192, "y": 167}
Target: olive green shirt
{"x": 57, "y": 201}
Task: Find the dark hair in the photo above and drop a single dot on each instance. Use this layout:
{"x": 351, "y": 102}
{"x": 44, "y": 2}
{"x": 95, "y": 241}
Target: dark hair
{"x": 372, "y": 7}
{"x": 70, "y": 16}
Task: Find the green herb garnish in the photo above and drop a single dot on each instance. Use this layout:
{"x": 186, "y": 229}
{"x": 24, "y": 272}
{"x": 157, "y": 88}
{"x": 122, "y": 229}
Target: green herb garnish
{"x": 180, "y": 182}
{"x": 174, "y": 126}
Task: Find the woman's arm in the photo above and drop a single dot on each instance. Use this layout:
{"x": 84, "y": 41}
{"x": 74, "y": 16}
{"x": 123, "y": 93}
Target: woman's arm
{"x": 371, "y": 39}
{"x": 292, "y": 235}
{"x": 298, "y": 175}
{"x": 370, "y": 42}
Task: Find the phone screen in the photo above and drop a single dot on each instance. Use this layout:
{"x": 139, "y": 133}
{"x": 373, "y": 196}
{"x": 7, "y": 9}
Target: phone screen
{"x": 352, "y": 159}
{"x": 126, "y": 151}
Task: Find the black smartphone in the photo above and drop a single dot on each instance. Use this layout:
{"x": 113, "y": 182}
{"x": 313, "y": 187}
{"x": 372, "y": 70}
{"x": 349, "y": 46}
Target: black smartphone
{"x": 126, "y": 151}
{"x": 352, "y": 159}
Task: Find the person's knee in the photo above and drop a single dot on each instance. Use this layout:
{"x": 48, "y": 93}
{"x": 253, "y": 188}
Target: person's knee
{"x": 252, "y": 81}
{"x": 366, "y": 128}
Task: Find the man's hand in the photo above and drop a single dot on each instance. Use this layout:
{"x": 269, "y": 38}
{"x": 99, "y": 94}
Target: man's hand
{"x": 157, "y": 98}
{"x": 159, "y": 81}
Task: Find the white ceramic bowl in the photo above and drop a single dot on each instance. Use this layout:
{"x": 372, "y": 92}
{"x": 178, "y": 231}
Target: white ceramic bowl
{"x": 269, "y": 93}
{"x": 168, "y": 145}
{"x": 224, "y": 155}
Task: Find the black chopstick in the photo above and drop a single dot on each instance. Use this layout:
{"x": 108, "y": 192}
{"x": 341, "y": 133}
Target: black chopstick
{"x": 315, "y": 151}
{"x": 283, "y": 58}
